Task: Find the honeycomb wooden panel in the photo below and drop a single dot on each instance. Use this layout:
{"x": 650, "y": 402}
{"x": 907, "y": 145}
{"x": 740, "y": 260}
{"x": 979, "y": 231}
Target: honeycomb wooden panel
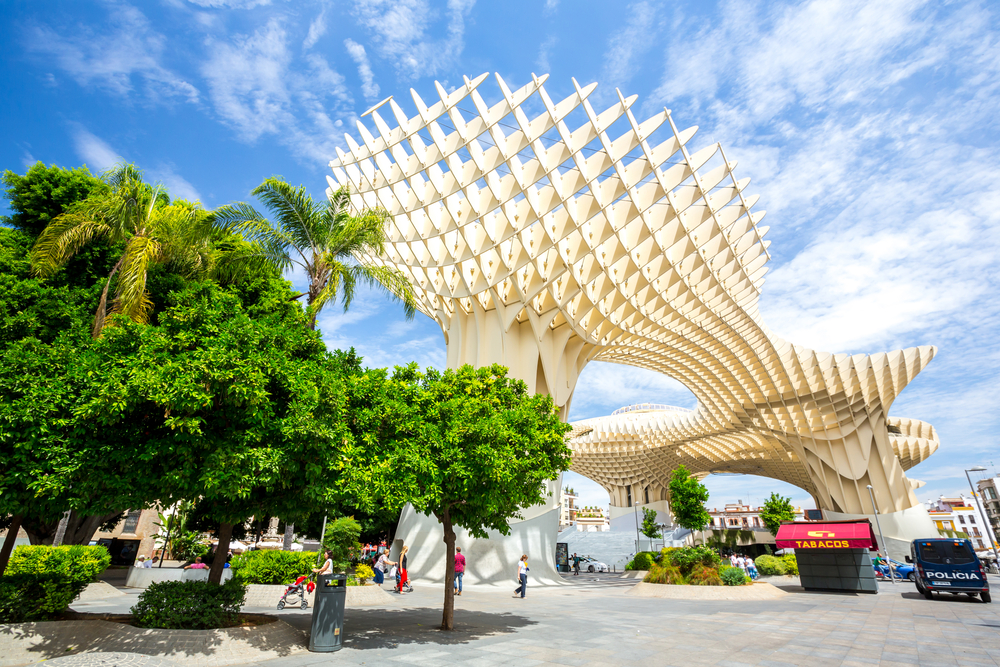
{"x": 542, "y": 246}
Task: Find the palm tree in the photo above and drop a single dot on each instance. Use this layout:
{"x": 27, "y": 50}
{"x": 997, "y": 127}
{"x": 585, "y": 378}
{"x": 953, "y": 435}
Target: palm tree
{"x": 322, "y": 239}
{"x": 153, "y": 230}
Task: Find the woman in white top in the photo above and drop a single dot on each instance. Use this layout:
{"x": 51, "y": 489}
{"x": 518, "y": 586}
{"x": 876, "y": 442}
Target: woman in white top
{"x": 327, "y": 565}
{"x": 522, "y": 576}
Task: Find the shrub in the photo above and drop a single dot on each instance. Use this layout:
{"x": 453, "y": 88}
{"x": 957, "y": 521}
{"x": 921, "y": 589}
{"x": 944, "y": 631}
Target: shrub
{"x": 272, "y": 567}
{"x": 37, "y": 597}
{"x": 702, "y": 575}
{"x": 187, "y": 546}
{"x": 733, "y": 576}
{"x": 341, "y": 539}
{"x": 364, "y": 573}
{"x": 665, "y": 553}
{"x": 769, "y": 565}
{"x": 791, "y": 565}
{"x": 687, "y": 557}
{"x": 641, "y": 561}
{"x": 77, "y": 562}
{"x": 189, "y": 605}
{"x": 666, "y": 574}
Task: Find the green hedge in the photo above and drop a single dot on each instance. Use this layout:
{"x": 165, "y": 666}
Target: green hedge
{"x": 189, "y": 605}
{"x": 686, "y": 558}
{"x": 733, "y": 576}
{"x": 78, "y": 563}
{"x": 770, "y": 565}
{"x": 641, "y": 561}
{"x": 272, "y": 567}
{"x": 36, "y": 597}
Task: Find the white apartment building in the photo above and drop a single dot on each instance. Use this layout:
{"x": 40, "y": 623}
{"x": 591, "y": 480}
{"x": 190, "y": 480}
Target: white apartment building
{"x": 960, "y": 517}
{"x": 989, "y": 493}
{"x": 567, "y": 513}
{"x": 592, "y": 520}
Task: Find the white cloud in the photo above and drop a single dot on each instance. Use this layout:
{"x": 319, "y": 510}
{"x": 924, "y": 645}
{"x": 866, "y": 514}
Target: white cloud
{"x": 125, "y": 54}
{"x": 368, "y": 86}
{"x": 627, "y": 45}
{"x": 258, "y": 89}
{"x": 176, "y": 185}
{"x": 230, "y": 4}
{"x": 604, "y": 387}
{"x": 551, "y": 6}
{"x": 401, "y": 28}
{"x": 94, "y": 151}
{"x": 544, "y": 51}
{"x": 316, "y": 30}
{"x": 27, "y": 159}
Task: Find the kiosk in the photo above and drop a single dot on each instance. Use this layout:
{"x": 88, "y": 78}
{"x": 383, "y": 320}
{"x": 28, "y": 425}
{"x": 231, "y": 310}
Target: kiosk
{"x": 832, "y": 556}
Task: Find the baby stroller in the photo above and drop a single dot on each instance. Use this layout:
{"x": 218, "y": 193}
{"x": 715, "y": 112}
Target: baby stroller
{"x": 297, "y": 591}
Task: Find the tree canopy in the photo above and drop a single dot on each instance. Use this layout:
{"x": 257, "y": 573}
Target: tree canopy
{"x": 468, "y": 446}
{"x": 687, "y": 500}
{"x": 43, "y": 193}
{"x": 649, "y": 527}
{"x": 775, "y": 511}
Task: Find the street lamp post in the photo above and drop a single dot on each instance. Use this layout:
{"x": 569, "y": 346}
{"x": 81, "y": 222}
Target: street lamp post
{"x": 986, "y": 522}
{"x": 885, "y": 546}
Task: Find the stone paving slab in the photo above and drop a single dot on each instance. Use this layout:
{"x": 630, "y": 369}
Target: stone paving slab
{"x": 109, "y": 660}
{"x": 26, "y": 643}
{"x": 267, "y": 596}
{"x": 99, "y": 591}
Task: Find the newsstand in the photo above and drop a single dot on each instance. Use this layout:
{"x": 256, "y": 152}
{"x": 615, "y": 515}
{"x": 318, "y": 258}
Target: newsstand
{"x": 833, "y": 555}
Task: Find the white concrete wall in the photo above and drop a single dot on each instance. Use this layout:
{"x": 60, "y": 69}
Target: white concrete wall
{"x": 142, "y": 577}
{"x": 489, "y": 561}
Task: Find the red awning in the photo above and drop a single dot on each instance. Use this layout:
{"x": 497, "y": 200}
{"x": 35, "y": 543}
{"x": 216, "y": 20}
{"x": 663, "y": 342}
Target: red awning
{"x": 815, "y": 535}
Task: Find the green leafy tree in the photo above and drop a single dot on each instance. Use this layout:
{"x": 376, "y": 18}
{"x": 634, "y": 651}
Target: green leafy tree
{"x": 150, "y": 230}
{"x": 687, "y": 500}
{"x": 469, "y": 446}
{"x": 321, "y": 239}
{"x": 342, "y": 540}
{"x": 775, "y": 511}
{"x": 649, "y": 526}
{"x": 43, "y": 193}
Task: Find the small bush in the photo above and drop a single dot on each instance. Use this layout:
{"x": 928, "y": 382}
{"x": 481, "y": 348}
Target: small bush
{"x": 665, "y": 574}
{"x": 272, "y": 567}
{"x": 702, "y": 575}
{"x": 665, "y": 553}
{"x": 733, "y": 576}
{"x": 189, "y": 605}
{"x": 77, "y": 562}
{"x": 364, "y": 573}
{"x": 769, "y": 565}
{"x": 37, "y": 597}
{"x": 687, "y": 557}
{"x": 641, "y": 561}
{"x": 791, "y": 565}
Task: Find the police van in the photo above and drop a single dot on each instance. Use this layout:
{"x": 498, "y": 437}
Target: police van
{"x": 948, "y": 566}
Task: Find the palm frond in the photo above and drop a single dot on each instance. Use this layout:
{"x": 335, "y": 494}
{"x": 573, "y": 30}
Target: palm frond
{"x": 131, "y": 298}
{"x": 391, "y": 281}
{"x": 61, "y": 239}
{"x": 294, "y": 211}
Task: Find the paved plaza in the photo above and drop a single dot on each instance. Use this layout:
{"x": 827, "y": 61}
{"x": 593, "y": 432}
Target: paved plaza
{"x": 595, "y": 620}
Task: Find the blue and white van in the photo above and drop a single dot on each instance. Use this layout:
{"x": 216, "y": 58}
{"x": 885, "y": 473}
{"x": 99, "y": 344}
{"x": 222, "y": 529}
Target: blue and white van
{"x": 948, "y": 566}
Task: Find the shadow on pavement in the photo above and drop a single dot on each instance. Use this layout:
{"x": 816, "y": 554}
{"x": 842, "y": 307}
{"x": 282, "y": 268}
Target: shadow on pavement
{"x": 389, "y": 628}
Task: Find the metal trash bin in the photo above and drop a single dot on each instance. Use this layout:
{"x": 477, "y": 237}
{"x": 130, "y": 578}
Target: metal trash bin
{"x": 327, "y": 632}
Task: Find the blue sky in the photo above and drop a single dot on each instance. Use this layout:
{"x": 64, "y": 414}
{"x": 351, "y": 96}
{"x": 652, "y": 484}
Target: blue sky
{"x": 870, "y": 130}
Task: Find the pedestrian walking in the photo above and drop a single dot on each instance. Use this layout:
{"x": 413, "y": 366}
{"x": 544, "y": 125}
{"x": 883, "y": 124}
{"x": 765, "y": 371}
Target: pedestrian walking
{"x": 752, "y": 569}
{"x": 382, "y": 565}
{"x": 576, "y": 565}
{"x": 403, "y": 579}
{"x": 732, "y": 559}
{"x": 459, "y": 570}
{"x": 522, "y": 577}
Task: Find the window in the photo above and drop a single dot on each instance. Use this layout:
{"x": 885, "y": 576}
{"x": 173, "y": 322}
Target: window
{"x": 972, "y": 519}
{"x": 990, "y": 492}
{"x": 628, "y": 496}
{"x": 980, "y": 543}
{"x": 951, "y": 553}
{"x": 975, "y": 531}
{"x": 961, "y": 519}
{"x": 647, "y": 495}
{"x": 131, "y": 521}
{"x": 756, "y": 522}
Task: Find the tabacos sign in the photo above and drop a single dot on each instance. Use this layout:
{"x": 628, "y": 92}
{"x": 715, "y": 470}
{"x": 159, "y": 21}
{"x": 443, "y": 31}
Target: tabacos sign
{"x": 825, "y": 541}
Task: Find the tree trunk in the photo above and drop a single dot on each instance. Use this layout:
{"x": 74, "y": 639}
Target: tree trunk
{"x": 102, "y": 305}
{"x": 8, "y": 544}
{"x": 61, "y": 529}
{"x": 289, "y": 534}
{"x": 448, "y": 617}
{"x": 221, "y": 551}
{"x": 80, "y": 529}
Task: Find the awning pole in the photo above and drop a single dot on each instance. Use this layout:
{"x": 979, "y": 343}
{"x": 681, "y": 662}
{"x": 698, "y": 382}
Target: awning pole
{"x": 888, "y": 561}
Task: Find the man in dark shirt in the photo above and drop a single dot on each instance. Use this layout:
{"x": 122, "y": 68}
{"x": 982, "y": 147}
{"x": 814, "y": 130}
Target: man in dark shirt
{"x": 459, "y": 570}
{"x": 576, "y": 565}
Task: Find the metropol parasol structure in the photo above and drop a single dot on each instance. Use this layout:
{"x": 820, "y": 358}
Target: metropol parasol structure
{"x": 542, "y": 235}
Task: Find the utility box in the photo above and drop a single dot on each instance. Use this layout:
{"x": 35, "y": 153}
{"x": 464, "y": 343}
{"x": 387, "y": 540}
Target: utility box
{"x": 832, "y": 556}
{"x": 327, "y": 633}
